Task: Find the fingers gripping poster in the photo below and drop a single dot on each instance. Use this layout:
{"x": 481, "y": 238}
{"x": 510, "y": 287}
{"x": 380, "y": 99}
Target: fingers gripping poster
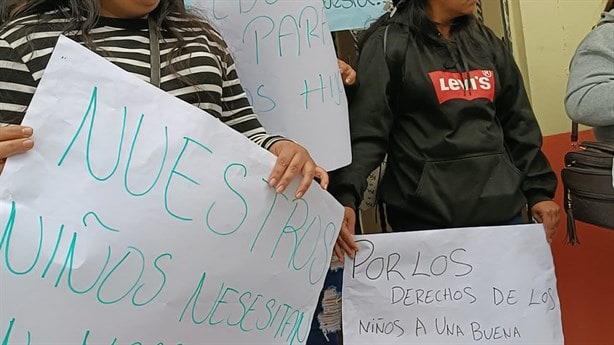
{"x": 140, "y": 219}
{"x": 285, "y": 57}
{"x": 490, "y": 285}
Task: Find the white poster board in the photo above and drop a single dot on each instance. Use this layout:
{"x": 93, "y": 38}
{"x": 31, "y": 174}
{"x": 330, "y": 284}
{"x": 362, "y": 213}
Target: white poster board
{"x": 491, "y": 285}
{"x": 286, "y": 60}
{"x": 140, "y": 219}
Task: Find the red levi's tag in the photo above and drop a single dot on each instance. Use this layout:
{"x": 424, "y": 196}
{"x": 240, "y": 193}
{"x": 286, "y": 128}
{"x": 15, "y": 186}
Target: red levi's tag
{"x": 454, "y": 85}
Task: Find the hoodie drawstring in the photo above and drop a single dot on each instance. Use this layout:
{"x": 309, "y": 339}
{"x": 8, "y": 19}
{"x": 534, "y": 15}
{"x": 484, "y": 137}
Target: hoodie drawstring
{"x": 465, "y": 68}
{"x": 459, "y": 58}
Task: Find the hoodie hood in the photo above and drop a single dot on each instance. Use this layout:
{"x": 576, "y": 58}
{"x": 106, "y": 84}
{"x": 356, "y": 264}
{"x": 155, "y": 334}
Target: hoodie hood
{"x": 607, "y": 17}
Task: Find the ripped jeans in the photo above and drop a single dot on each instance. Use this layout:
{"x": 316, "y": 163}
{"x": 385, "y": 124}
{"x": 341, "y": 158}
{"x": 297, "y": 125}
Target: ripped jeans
{"x": 326, "y": 322}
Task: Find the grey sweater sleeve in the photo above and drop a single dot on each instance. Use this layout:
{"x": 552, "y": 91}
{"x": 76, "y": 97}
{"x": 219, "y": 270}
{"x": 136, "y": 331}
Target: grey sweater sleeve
{"x": 589, "y": 99}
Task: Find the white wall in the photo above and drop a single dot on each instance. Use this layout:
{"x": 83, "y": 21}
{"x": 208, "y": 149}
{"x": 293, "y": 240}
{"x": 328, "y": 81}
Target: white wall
{"x": 545, "y": 36}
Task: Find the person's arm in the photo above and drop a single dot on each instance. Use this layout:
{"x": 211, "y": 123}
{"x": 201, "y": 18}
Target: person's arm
{"x": 589, "y": 98}
{"x": 370, "y": 123}
{"x": 16, "y": 90}
{"x": 523, "y": 139}
{"x": 348, "y": 75}
{"x": 237, "y": 112}
{"x": 292, "y": 158}
{"x": 14, "y": 140}
{"x": 16, "y": 85}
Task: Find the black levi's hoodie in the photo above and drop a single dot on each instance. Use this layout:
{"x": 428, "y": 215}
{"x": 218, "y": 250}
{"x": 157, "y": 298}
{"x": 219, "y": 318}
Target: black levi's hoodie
{"x": 463, "y": 144}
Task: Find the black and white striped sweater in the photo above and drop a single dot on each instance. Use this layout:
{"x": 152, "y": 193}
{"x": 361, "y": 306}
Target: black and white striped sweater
{"x": 204, "y": 72}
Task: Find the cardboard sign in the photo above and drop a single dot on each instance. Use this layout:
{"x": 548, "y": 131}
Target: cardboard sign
{"x": 353, "y": 14}
{"x": 490, "y": 285}
{"x": 286, "y": 60}
{"x": 140, "y": 219}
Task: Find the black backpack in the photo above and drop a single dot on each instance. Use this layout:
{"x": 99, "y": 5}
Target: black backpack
{"x": 587, "y": 185}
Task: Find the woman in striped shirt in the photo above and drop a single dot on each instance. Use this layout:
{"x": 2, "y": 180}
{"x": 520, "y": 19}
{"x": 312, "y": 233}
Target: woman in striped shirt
{"x": 196, "y": 67}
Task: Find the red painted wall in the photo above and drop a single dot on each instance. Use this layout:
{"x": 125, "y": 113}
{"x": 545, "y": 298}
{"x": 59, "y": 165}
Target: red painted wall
{"x": 585, "y": 272}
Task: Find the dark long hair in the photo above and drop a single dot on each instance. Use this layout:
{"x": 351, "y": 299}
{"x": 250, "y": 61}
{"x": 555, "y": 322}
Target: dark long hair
{"x": 83, "y": 16}
{"x": 85, "y": 13}
{"x": 422, "y": 28}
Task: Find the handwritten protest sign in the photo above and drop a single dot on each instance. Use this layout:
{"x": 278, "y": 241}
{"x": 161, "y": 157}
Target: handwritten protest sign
{"x": 353, "y": 14}
{"x": 341, "y": 14}
{"x": 138, "y": 218}
{"x": 286, "y": 61}
{"x": 493, "y": 285}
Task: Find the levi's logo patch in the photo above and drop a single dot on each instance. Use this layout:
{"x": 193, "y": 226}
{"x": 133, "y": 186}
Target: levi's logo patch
{"x": 455, "y": 85}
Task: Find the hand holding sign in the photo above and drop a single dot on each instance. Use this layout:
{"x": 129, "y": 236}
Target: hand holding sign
{"x": 124, "y": 214}
{"x": 293, "y": 159}
{"x": 14, "y": 140}
{"x": 345, "y": 242}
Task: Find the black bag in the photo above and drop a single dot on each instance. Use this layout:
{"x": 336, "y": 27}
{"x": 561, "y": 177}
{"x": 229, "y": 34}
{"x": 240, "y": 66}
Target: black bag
{"x": 587, "y": 182}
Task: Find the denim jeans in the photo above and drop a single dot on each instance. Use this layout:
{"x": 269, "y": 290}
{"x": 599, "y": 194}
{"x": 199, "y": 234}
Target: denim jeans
{"x": 326, "y": 322}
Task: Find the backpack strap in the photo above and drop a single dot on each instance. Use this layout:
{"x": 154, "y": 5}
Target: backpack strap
{"x": 574, "y": 135}
{"x": 395, "y": 54}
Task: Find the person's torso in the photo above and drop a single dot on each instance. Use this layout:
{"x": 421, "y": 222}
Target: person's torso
{"x": 447, "y": 157}
{"x": 194, "y": 75}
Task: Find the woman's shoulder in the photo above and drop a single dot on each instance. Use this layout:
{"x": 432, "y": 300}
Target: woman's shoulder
{"x": 602, "y": 34}
{"x": 28, "y": 27}
{"x": 486, "y": 33}
{"x": 196, "y": 26}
